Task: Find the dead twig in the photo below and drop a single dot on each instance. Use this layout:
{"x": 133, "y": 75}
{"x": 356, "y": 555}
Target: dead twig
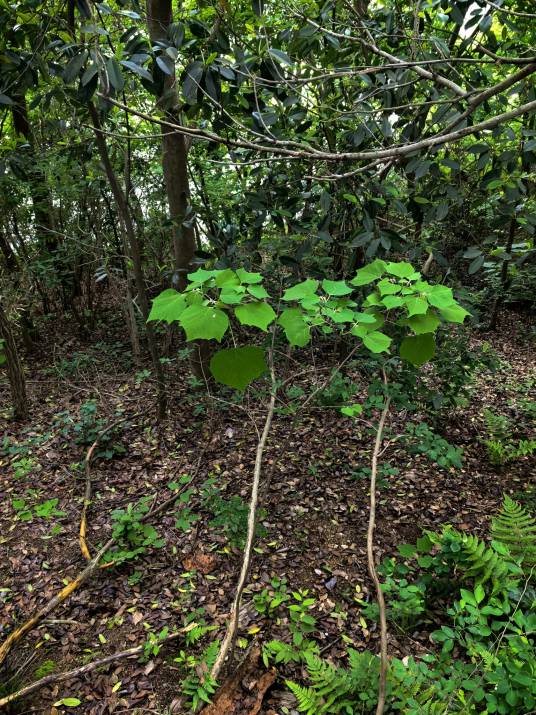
{"x": 87, "y": 496}
{"x": 232, "y": 628}
{"x": 82, "y": 670}
{"x": 382, "y": 683}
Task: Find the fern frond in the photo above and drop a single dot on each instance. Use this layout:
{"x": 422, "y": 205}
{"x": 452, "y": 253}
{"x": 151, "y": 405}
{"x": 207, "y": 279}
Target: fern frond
{"x": 480, "y": 561}
{"x": 516, "y": 528}
{"x": 306, "y": 697}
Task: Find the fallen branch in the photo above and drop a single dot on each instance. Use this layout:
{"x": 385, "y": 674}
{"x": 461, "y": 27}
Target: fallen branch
{"x": 384, "y": 664}
{"x": 82, "y": 670}
{"x": 93, "y": 565}
{"x": 87, "y": 496}
{"x": 232, "y": 628}
{"x": 17, "y": 634}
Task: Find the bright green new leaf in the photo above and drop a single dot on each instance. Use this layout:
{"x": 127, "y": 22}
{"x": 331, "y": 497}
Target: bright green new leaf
{"x": 418, "y": 349}
{"x": 301, "y": 290}
{"x": 237, "y": 367}
{"x": 416, "y": 306}
{"x": 454, "y": 313}
{"x": 257, "y": 291}
{"x": 168, "y": 306}
{"x": 227, "y": 278}
{"x": 369, "y": 318}
{"x": 296, "y": 329}
{"x": 335, "y": 287}
{"x": 246, "y": 277}
{"x": 377, "y": 342}
{"x": 201, "y": 322}
{"x": 392, "y": 301}
{"x": 387, "y": 288}
{"x": 339, "y": 315}
{"x": 68, "y": 702}
{"x": 421, "y": 324}
{"x": 440, "y": 296}
{"x": 352, "y": 410}
{"x": 202, "y": 275}
{"x": 232, "y": 295}
{"x": 258, "y": 314}
{"x": 369, "y": 273}
{"x": 401, "y": 269}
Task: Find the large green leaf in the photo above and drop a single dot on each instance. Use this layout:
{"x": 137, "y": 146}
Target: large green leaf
{"x": 440, "y": 296}
{"x": 237, "y": 367}
{"x": 246, "y": 277}
{"x": 335, "y": 287}
{"x": 168, "y": 306}
{"x": 301, "y": 290}
{"x": 202, "y": 322}
{"x": 296, "y": 329}
{"x": 454, "y": 313}
{"x": 402, "y": 270}
{"x": 416, "y": 306}
{"x": 377, "y": 342}
{"x": 369, "y": 273}
{"x": 421, "y": 324}
{"x": 259, "y": 315}
{"x": 418, "y": 349}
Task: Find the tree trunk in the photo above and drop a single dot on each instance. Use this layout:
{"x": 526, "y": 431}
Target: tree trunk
{"x": 174, "y": 151}
{"x": 505, "y": 281}
{"x": 42, "y": 205}
{"x": 15, "y": 371}
{"x": 123, "y": 210}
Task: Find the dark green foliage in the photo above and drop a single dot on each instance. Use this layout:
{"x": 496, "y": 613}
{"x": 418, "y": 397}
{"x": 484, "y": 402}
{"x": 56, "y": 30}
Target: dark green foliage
{"x": 338, "y": 690}
{"x": 423, "y": 440}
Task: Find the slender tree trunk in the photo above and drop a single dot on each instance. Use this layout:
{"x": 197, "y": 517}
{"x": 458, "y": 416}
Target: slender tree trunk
{"x": 8, "y": 253}
{"x": 505, "y": 281}
{"x": 135, "y": 254}
{"x": 15, "y": 370}
{"x": 174, "y": 151}
{"x": 42, "y": 205}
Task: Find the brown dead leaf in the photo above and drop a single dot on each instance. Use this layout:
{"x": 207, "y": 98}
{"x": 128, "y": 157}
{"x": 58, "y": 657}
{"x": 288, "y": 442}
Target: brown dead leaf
{"x": 199, "y": 561}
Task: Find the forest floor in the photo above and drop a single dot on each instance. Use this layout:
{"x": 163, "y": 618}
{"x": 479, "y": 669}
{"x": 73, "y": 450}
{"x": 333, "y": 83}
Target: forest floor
{"x": 314, "y": 496}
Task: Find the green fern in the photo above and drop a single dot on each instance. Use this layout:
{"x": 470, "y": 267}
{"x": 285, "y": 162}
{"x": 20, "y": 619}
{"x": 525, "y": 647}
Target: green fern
{"x": 478, "y": 561}
{"x": 337, "y": 690}
{"x": 515, "y": 528}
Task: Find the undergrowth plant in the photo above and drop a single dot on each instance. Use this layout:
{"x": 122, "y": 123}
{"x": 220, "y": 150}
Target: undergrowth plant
{"x": 400, "y": 312}
{"x": 500, "y": 444}
{"x": 486, "y": 662}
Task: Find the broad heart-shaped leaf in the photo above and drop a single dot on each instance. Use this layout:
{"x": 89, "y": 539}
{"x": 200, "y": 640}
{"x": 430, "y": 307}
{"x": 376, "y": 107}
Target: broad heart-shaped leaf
{"x": 392, "y": 301}
{"x": 421, "y": 324}
{"x": 258, "y": 314}
{"x": 246, "y": 277}
{"x": 257, "y": 291}
{"x": 369, "y": 273}
{"x": 339, "y": 315}
{"x": 377, "y": 342}
{"x": 401, "y": 269}
{"x": 296, "y": 329}
{"x": 335, "y": 287}
{"x": 440, "y": 296}
{"x": 201, "y": 275}
{"x": 227, "y": 278}
{"x": 454, "y": 313}
{"x": 416, "y": 306}
{"x": 168, "y": 306}
{"x": 301, "y": 290}
{"x": 232, "y": 295}
{"x": 237, "y": 367}
{"x": 418, "y": 349}
{"x": 204, "y": 322}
